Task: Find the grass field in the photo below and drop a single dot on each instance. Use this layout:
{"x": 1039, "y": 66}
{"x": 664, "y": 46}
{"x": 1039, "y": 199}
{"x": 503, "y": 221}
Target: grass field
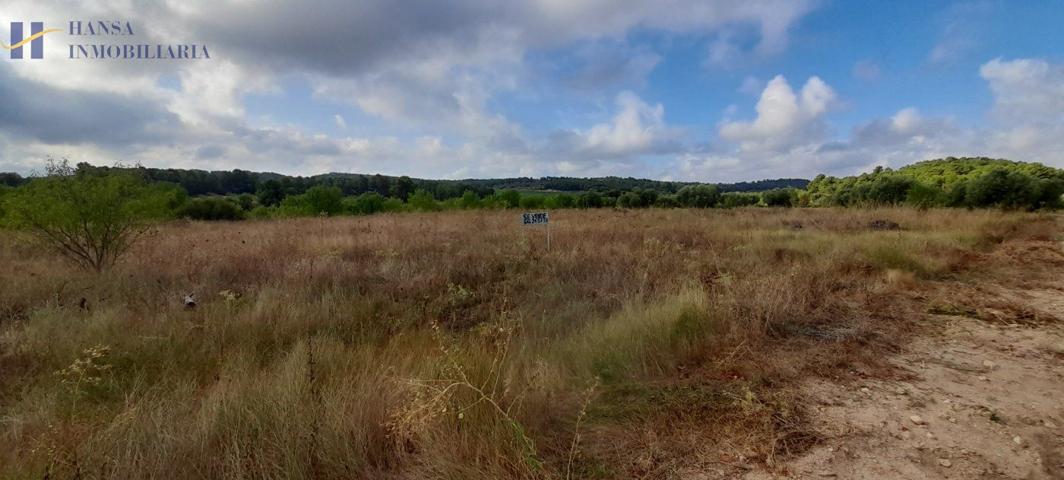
{"x": 455, "y": 345}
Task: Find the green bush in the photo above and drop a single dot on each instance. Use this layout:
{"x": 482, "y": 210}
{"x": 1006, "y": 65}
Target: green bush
{"x": 739, "y": 199}
{"x": 922, "y": 195}
{"x": 91, "y": 219}
{"x": 560, "y": 201}
{"x": 212, "y": 208}
{"x": 366, "y": 204}
{"x": 469, "y": 200}
{"x": 508, "y": 198}
{"x": 318, "y": 200}
{"x": 1002, "y": 188}
{"x": 589, "y": 200}
{"x": 698, "y": 196}
{"x": 781, "y": 197}
{"x": 422, "y": 201}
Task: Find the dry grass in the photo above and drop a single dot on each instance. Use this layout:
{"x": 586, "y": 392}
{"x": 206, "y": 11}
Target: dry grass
{"x": 455, "y": 346}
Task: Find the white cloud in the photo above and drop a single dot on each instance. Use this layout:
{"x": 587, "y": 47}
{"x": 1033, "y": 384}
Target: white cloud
{"x": 1027, "y": 119}
{"x": 783, "y": 118}
{"x": 340, "y": 122}
{"x": 751, "y": 86}
{"x": 636, "y": 128}
{"x": 959, "y": 26}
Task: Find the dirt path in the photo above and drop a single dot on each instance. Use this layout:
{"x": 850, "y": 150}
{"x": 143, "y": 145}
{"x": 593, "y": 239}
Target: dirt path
{"x": 982, "y": 400}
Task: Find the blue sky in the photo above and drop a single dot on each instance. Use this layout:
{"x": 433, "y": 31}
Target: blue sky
{"x": 672, "y": 89}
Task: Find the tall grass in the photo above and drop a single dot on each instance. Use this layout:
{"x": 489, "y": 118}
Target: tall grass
{"x": 455, "y": 345}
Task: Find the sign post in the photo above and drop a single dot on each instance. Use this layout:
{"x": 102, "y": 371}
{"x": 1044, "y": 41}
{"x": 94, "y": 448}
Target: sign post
{"x": 537, "y": 218}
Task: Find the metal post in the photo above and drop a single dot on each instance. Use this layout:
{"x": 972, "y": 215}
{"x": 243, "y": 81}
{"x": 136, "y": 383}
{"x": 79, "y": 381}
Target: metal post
{"x": 548, "y": 236}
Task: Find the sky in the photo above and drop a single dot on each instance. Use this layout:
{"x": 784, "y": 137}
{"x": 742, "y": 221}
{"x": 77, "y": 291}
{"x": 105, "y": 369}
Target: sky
{"x": 691, "y": 90}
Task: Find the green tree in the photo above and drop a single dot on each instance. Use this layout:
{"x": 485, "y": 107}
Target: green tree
{"x": 321, "y": 199}
{"x": 698, "y": 196}
{"x": 922, "y": 195}
{"x": 365, "y": 204}
{"x": 630, "y": 200}
{"x": 246, "y": 201}
{"x": 403, "y": 187}
{"x": 91, "y": 219}
{"x": 422, "y": 201}
{"x": 739, "y": 199}
{"x": 589, "y": 200}
{"x": 270, "y": 193}
{"x": 469, "y": 200}
{"x": 532, "y": 201}
{"x": 211, "y": 208}
{"x": 780, "y": 197}
{"x": 1002, "y": 188}
{"x": 509, "y": 198}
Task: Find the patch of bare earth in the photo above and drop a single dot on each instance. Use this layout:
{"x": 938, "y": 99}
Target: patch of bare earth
{"x": 982, "y": 399}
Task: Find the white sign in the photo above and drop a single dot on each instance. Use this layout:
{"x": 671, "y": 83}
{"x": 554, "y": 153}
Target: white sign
{"x": 534, "y": 218}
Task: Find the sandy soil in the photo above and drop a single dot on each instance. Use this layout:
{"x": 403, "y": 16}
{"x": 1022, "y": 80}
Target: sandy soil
{"x": 981, "y": 400}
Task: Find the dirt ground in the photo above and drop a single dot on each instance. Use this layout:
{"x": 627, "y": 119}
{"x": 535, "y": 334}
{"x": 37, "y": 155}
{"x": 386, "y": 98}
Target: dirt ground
{"x": 984, "y": 399}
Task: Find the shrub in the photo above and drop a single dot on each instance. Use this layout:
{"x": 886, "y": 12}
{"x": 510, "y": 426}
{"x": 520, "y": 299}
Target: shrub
{"x": 666, "y": 201}
{"x": 922, "y": 195}
{"x": 317, "y": 201}
{"x": 422, "y": 201}
{"x": 246, "y": 201}
{"x": 739, "y": 199}
{"x": 532, "y": 201}
{"x": 629, "y": 200}
{"x": 698, "y": 196}
{"x": 589, "y": 200}
{"x": 1002, "y": 188}
{"x": 508, "y": 198}
{"x": 270, "y": 193}
{"x": 782, "y": 197}
{"x": 91, "y": 220}
{"x": 365, "y": 204}
{"x": 889, "y": 190}
{"x": 469, "y": 200}
{"x": 213, "y": 208}
{"x": 560, "y": 201}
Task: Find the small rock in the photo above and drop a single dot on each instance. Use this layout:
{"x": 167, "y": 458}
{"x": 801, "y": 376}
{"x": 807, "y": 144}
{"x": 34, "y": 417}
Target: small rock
{"x": 945, "y": 462}
{"x": 828, "y": 474}
{"x": 1017, "y": 440}
{"x": 865, "y": 390}
{"x": 1048, "y": 424}
{"x": 984, "y": 378}
{"x": 901, "y": 391}
{"x": 917, "y": 420}
{"x": 989, "y": 364}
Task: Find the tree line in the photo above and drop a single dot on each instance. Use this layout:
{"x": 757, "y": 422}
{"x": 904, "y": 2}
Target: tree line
{"x": 948, "y": 182}
{"x": 236, "y": 182}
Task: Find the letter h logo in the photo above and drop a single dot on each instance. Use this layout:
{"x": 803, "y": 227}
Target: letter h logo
{"x": 36, "y": 40}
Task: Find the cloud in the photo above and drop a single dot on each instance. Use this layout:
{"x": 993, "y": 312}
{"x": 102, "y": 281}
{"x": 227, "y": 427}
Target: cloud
{"x": 783, "y": 118}
{"x": 423, "y": 69}
{"x": 600, "y": 65}
{"x": 1028, "y": 112}
{"x": 56, "y": 116}
{"x": 340, "y": 122}
{"x": 751, "y": 86}
{"x": 959, "y": 27}
{"x": 637, "y": 128}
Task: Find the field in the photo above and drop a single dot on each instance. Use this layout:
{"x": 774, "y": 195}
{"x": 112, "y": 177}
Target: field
{"x": 643, "y": 344}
